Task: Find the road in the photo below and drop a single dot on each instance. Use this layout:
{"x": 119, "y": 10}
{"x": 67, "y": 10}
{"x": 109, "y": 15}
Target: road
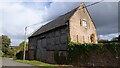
{"x": 9, "y": 63}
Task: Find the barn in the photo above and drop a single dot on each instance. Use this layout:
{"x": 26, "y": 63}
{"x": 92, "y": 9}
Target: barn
{"x": 76, "y": 25}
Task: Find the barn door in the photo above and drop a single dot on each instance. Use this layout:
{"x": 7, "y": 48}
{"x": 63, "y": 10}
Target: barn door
{"x": 41, "y": 51}
{"x": 38, "y": 50}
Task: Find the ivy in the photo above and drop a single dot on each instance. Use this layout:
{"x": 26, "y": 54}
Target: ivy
{"x": 76, "y": 49}
{"x": 114, "y": 48}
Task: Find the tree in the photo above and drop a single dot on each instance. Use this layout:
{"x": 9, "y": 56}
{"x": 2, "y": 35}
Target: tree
{"x": 19, "y": 50}
{"x": 116, "y": 39}
{"x": 119, "y": 38}
{"x": 103, "y": 41}
{"x": 6, "y": 41}
{"x": 21, "y": 46}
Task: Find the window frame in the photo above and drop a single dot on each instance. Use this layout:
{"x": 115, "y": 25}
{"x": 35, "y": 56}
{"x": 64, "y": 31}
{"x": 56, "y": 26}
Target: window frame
{"x": 84, "y": 23}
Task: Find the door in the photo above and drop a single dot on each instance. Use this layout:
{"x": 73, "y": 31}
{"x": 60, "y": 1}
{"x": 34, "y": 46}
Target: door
{"x": 41, "y": 51}
{"x": 92, "y": 38}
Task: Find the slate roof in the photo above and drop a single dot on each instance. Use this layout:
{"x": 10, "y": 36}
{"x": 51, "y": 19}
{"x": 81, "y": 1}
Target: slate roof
{"x": 60, "y": 21}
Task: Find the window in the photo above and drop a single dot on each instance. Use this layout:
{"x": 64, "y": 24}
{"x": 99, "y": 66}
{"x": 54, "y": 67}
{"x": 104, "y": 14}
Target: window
{"x": 80, "y": 22}
{"x": 84, "y": 23}
{"x": 83, "y": 39}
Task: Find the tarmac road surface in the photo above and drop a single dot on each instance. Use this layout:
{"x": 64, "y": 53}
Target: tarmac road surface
{"x": 9, "y": 63}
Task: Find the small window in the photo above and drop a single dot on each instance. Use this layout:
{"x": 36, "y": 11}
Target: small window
{"x": 80, "y": 22}
{"x": 84, "y": 23}
{"x": 83, "y": 39}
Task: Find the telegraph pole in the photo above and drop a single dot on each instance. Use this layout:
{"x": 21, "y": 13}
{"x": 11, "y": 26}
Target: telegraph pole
{"x": 24, "y": 44}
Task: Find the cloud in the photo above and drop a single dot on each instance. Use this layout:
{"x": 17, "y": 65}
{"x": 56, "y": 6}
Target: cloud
{"x": 17, "y": 15}
{"x": 57, "y": 0}
{"x": 108, "y": 36}
{"x": 105, "y": 17}
{"x": 59, "y": 8}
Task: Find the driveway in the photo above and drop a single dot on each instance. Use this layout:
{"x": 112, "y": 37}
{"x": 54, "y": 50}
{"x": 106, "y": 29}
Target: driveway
{"x": 9, "y": 63}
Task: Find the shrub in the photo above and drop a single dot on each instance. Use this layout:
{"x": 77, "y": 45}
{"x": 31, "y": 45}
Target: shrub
{"x": 76, "y": 49}
{"x": 59, "y": 57}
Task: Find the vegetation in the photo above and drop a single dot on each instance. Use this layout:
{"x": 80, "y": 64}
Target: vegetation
{"x": 1, "y": 53}
{"x": 18, "y": 51}
{"x": 6, "y": 41}
{"x": 59, "y": 57}
{"x": 113, "y": 40}
{"x": 103, "y": 41}
{"x": 76, "y": 49}
{"x": 83, "y": 50}
{"x": 8, "y": 51}
{"x": 42, "y": 64}
{"x": 119, "y": 38}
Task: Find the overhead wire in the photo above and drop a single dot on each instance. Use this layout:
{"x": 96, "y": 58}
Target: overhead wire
{"x": 56, "y": 17}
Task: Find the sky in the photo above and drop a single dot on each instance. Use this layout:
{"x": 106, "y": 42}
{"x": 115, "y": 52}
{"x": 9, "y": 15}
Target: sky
{"x": 15, "y": 16}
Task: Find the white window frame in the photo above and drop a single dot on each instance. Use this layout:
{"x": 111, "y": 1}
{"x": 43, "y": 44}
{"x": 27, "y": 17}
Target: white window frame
{"x": 84, "y": 23}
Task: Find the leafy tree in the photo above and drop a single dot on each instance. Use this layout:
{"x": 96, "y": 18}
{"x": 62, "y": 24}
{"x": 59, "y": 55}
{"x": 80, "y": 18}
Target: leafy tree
{"x": 19, "y": 49}
{"x": 6, "y": 41}
{"x": 103, "y": 41}
{"x": 115, "y": 39}
{"x": 21, "y": 46}
{"x": 1, "y": 53}
{"x": 119, "y": 38}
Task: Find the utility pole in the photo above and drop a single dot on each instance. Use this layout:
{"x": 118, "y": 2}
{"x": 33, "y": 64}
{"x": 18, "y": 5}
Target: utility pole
{"x": 24, "y": 44}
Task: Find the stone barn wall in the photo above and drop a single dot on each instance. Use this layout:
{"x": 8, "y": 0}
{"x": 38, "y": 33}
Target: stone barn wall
{"x": 80, "y": 32}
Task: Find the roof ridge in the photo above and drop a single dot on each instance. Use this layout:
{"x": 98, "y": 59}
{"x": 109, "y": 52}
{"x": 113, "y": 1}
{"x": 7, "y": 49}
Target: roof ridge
{"x": 47, "y": 25}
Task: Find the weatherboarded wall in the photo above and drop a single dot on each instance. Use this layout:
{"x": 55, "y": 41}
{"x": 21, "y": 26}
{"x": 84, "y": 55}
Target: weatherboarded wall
{"x": 44, "y": 45}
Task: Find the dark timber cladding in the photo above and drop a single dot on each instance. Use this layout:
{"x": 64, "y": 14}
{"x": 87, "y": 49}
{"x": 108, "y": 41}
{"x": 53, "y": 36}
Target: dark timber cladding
{"x": 50, "y": 37}
{"x": 54, "y": 31}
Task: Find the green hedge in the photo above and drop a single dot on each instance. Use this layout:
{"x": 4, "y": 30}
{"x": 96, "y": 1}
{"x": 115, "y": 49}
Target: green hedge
{"x": 59, "y": 58}
{"x": 1, "y": 53}
{"x": 76, "y": 49}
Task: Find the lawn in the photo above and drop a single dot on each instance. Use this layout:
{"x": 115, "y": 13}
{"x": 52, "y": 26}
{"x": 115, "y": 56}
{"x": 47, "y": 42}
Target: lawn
{"x": 42, "y": 64}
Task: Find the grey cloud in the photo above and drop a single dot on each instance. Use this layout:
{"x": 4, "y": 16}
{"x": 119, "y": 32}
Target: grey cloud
{"x": 105, "y": 17}
{"x": 59, "y": 8}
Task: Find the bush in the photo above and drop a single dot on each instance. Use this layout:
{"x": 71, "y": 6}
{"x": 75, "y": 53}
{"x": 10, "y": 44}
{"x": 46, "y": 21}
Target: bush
{"x": 59, "y": 58}
{"x": 19, "y": 55}
{"x": 1, "y": 53}
{"x": 76, "y": 49}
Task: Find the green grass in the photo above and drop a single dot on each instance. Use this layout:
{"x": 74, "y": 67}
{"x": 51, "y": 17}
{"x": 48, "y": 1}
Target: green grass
{"x": 42, "y": 64}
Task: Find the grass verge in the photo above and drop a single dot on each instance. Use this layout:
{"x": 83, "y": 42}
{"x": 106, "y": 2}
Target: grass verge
{"x": 42, "y": 64}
